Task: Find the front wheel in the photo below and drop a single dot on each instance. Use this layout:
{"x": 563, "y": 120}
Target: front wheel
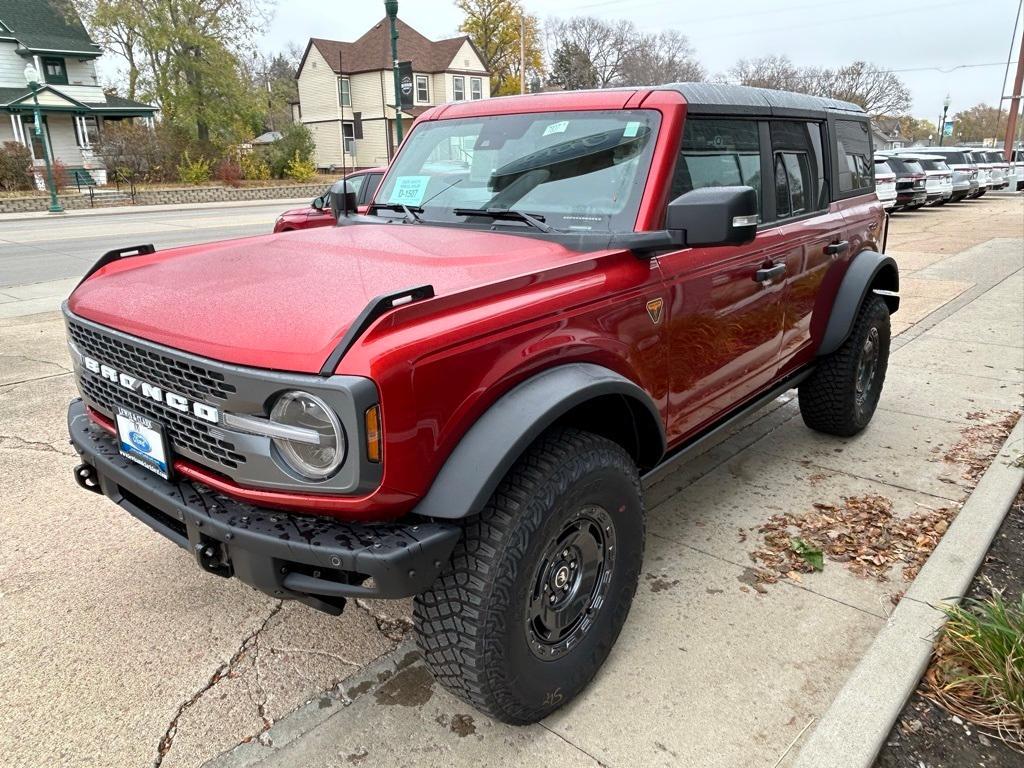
{"x": 841, "y": 395}
{"x": 541, "y": 582}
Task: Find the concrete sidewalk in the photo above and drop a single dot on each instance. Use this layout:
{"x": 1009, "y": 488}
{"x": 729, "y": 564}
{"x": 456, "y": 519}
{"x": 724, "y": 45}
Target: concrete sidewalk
{"x": 117, "y": 651}
{"x": 708, "y": 671}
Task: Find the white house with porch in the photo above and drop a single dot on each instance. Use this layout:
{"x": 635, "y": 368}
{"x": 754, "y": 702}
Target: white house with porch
{"x": 73, "y": 105}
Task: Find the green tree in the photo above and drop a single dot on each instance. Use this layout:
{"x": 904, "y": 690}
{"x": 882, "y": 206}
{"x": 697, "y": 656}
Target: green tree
{"x": 296, "y": 144}
{"x": 571, "y": 68}
{"x": 979, "y": 123}
{"x": 495, "y": 28}
{"x": 185, "y": 55}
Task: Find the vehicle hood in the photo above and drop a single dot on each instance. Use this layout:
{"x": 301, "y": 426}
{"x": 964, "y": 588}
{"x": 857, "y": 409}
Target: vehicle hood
{"x": 296, "y": 212}
{"x": 284, "y": 301}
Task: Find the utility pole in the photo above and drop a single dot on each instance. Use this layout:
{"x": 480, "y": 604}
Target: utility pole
{"x": 391, "y": 7}
{"x": 1015, "y": 97}
{"x": 522, "y": 51}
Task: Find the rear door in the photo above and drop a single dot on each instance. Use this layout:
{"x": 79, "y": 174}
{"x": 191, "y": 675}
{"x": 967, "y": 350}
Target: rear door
{"x": 725, "y": 325}
{"x": 798, "y": 205}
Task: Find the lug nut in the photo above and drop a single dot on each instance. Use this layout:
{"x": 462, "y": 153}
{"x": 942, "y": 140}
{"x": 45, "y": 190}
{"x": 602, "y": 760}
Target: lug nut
{"x": 552, "y": 600}
{"x": 565, "y": 553}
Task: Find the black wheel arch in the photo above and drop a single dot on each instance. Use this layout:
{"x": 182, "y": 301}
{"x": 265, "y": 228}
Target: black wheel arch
{"x": 868, "y": 271}
{"x": 582, "y": 395}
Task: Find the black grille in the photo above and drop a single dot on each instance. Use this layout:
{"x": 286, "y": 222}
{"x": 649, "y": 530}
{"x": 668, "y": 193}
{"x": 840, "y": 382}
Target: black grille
{"x": 193, "y": 381}
{"x": 184, "y": 431}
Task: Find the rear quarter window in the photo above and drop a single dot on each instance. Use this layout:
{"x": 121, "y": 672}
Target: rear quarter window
{"x": 855, "y": 165}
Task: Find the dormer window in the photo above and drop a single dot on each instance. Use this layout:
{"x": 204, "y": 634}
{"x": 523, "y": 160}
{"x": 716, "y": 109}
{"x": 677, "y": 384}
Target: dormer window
{"x": 54, "y": 70}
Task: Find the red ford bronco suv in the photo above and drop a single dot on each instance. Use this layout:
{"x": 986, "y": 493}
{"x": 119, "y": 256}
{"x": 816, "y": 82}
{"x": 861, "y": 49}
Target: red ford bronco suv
{"x": 458, "y": 396}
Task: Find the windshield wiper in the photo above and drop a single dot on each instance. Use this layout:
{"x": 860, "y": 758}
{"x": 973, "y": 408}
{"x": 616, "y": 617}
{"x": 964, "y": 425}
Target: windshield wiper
{"x": 411, "y": 212}
{"x": 507, "y": 213}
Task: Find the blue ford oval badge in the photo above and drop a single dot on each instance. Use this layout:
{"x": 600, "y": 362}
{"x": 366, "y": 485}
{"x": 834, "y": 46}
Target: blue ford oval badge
{"x": 140, "y": 442}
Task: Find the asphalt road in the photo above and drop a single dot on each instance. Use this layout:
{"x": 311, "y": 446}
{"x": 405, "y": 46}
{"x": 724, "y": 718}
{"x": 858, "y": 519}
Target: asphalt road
{"x": 36, "y": 250}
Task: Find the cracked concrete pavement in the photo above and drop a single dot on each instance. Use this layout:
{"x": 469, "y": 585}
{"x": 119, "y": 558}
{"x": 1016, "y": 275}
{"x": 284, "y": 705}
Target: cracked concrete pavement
{"x": 115, "y": 650}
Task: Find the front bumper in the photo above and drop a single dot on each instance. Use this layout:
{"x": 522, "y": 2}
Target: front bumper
{"x": 320, "y": 561}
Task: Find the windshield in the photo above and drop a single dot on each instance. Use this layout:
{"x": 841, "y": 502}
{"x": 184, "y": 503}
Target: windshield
{"x": 574, "y": 171}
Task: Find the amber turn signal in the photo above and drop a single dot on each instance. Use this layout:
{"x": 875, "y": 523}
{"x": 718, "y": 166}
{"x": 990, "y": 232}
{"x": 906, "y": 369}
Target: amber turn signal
{"x": 373, "y": 434}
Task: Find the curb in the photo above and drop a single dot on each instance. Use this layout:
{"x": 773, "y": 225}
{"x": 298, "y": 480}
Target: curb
{"x": 116, "y": 209}
{"x": 297, "y": 723}
{"x": 854, "y": 728}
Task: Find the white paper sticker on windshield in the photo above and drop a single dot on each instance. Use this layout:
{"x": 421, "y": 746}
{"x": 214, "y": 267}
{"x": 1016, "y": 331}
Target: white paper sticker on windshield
{"x": 632, "y": 129}
{"x": 409, "y": 190}
{"x": 558, "y": 127}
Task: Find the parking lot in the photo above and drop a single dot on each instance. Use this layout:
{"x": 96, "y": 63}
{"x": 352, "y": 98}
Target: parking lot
{"x": 118, "y": 651}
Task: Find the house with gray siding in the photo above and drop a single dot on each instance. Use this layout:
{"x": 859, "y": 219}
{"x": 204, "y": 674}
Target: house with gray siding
{"x": 74, "y": 107}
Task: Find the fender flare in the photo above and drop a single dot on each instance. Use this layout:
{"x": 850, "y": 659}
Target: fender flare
{"x": 868, "y": 271}
{"x": 499, "y": 437}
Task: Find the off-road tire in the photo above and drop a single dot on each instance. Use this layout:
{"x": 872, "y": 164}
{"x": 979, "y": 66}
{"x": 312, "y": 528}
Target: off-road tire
{"x": 829, "y": 397}
{"x": 472, "y": 625}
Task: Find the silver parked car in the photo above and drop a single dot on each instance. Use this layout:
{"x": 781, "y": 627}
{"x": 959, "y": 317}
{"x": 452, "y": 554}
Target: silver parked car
{"x": 1017, "y": 161}
{"x": 1001, "y": 171}
{"x": 960, "y": 162}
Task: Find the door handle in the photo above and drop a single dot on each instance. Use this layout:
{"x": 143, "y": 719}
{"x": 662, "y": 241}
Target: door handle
{"x": 769, "y": 273}
{"x": 836, "y": 248}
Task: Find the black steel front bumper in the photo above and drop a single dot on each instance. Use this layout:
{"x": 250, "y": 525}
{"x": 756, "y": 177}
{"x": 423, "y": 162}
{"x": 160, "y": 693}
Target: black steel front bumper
{"x": 318, "y": 560}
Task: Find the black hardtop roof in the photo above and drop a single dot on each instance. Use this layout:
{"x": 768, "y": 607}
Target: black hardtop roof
{"x": 719, "y": 98}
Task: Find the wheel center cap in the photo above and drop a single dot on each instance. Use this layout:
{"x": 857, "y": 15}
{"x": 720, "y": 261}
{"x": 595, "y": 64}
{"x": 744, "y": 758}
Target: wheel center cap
{"x": 561, "y": 577}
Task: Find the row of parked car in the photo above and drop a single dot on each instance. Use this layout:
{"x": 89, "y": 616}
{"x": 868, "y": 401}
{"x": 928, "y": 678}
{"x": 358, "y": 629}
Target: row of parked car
{"x": 909, "y": 178}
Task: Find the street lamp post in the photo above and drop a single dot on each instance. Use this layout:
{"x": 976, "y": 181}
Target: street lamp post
{"x": 391, "y": 8}
{"x": 942, "y": 126}
{"x": 32, "y": 79}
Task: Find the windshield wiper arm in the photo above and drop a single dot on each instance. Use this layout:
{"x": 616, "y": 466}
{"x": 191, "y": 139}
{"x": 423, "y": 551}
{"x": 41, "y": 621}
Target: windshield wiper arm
{"x": 411, "y": 212}
{"x": 507, "y": 213}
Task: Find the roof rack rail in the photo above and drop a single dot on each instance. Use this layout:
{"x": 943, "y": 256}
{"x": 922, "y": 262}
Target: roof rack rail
{"x": 377, "y": 307}
{"x": 115, "y": 255}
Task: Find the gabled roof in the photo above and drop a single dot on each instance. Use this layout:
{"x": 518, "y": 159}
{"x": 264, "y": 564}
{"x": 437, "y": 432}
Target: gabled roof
{"x": 372, "y": 51}
{"x": 20, "y": 99}
{"x": 43, "y": 26}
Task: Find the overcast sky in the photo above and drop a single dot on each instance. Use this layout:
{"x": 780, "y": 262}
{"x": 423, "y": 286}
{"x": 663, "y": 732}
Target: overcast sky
{"x": 936, "y": 38}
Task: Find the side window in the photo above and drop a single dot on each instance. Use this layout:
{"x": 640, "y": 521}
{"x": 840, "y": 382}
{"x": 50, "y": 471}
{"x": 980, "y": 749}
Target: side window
{"x": 718, "y": 153}
{"x": 369, "y": 187}
{"x": 459, "y": 88}
{"x": 798, "y": 156}
{"x": 355, "y": 183}
{"x": 853, "y": 147}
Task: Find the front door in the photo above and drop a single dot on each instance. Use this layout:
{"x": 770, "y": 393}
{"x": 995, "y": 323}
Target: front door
{"x": 724, "y": 303}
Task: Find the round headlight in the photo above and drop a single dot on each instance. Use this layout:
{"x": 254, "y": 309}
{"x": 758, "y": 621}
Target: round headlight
{"x": 314, "y": 460}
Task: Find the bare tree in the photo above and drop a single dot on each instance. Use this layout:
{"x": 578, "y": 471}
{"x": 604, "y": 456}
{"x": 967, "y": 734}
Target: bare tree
{"x": 606, "y": 45}
{"x": 879, "y": 92}
{"x": 667, "y": 57}
{"x": 776, "y": 72}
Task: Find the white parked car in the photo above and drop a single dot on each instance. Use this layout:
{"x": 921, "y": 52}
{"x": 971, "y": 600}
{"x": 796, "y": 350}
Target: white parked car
{"x": 1001, "y": 169}
{"x": 1018, "y": 167}
{"x": 939, "y": 181}
{"x": 985, "y": 180}
{"x": 885, "y": 183}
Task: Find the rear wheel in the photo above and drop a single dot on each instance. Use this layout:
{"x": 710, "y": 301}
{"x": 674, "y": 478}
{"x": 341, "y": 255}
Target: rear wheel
{"x": 540, "y": 585}
{"x": 842, "y": 393}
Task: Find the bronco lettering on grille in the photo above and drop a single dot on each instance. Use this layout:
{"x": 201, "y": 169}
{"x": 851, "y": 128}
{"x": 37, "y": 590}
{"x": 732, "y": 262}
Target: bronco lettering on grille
{"x": 157, "y": 394}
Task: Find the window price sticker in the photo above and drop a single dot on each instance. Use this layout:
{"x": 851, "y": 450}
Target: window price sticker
{"x": 409, "y": 190}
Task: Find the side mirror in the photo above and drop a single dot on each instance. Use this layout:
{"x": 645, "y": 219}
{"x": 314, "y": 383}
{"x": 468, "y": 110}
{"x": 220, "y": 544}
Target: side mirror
{"x": 318, "y": 203}
{"x": 714, "y": 216}
{"x": 343, "y": 199}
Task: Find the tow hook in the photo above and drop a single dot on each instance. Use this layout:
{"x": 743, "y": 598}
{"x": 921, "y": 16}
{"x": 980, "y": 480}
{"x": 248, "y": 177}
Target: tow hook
{"x": 212, "y": 557}
{"x": 86, "y": 477}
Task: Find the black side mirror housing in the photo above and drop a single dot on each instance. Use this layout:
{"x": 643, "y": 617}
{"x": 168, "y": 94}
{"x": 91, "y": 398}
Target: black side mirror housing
{"x": 343, "y": 199}
{"x": 714, "y": 216}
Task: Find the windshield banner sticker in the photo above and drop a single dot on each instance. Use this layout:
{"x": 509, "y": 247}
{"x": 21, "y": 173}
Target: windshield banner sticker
{"x": 409, "y": 190}
{"x": 556, "y": 128}
{"x": 632, "y": 129}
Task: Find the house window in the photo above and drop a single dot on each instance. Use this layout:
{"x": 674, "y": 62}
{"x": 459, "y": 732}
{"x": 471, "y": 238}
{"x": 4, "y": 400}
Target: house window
{"x": 54, "y": 71}
{"x": 87, "y": 130}
{"x": 348, "y": 137}
{"x": 459, "y": 87}
{"x": 28, "y": 128}
{"x": 344, "y": 92}
{"x": 422, "y": 89}
{"x": 476, "y": 88}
